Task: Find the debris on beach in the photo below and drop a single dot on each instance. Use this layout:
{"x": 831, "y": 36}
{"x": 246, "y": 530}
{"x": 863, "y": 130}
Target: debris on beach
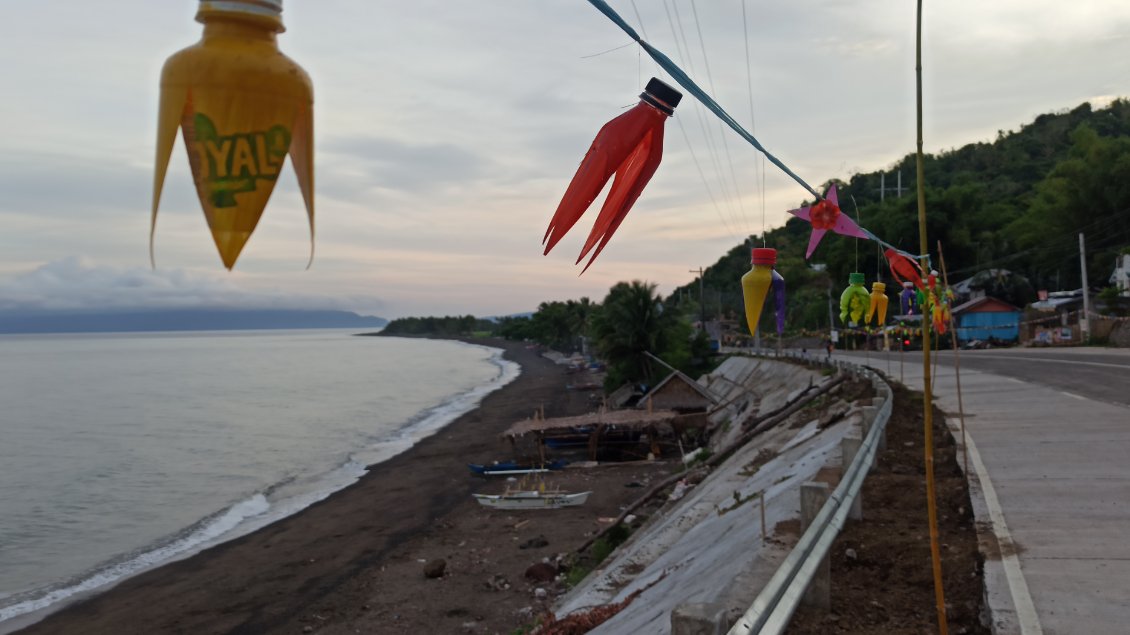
{"x": 435, "y": 568}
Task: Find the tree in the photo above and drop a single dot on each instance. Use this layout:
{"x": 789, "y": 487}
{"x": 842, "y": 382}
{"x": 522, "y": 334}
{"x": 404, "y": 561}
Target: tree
{"x": 633, "y": 321}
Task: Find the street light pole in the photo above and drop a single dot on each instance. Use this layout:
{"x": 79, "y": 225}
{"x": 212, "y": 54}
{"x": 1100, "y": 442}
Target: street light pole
{"x": 1085, "y": 322}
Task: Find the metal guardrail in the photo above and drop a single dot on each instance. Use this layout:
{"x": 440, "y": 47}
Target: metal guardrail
{"x": 774, "y": 606}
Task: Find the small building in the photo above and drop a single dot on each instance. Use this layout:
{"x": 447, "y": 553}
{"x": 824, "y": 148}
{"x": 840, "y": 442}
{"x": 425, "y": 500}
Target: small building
{"x": 1054, "y": 319}
{"x": 679, "y": 393}
{"x": 986, "y": 318}
{"x": 974, "y": 287}
{"x": 1121, "y": 276}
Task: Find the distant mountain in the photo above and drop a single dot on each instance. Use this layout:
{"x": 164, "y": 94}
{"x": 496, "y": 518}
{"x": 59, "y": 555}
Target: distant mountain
{"x": 24, "y": 321}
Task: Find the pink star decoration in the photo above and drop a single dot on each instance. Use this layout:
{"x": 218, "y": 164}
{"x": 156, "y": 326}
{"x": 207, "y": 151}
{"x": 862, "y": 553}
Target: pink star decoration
{"x": 825, "y": 215}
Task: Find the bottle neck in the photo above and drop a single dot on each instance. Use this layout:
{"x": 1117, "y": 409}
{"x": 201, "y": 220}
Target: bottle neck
{"x": 656, "y": 104}
{"x": 216, "y": 27}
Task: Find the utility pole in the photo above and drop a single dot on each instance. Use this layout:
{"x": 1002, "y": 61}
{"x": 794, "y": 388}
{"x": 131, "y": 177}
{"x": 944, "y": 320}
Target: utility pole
{"x": 831, "y": 319}
{"x": 1084, "y": 322}
{"x": 701, "y": 295}
{"x": 883, "y": 186}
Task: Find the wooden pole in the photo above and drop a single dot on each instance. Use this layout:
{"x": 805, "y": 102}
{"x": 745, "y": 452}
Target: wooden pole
{"x": 927, "y": 395}
{"x": 956, "y": 366}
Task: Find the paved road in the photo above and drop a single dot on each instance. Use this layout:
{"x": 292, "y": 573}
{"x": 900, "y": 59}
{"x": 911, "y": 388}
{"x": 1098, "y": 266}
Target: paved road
{"x": 1049, "y": 443}
{"x": 1095, "y": 373}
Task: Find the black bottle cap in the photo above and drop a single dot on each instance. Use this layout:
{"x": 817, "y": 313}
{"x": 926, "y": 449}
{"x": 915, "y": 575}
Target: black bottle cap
{"x": 661, "y": 95}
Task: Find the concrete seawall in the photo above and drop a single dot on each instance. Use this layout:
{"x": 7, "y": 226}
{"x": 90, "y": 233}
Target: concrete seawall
{"x": 707, "y": 547}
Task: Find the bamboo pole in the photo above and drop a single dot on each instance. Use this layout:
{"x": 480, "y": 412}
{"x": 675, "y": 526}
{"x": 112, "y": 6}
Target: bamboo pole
{"x": 956, "y": 367}
{"x": 927, "y": 394}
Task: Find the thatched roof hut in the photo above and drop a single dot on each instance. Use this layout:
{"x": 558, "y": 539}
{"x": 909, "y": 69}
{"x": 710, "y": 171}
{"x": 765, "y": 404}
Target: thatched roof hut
{"x": 596, "y": 429}
{"x": 627, "y": 419}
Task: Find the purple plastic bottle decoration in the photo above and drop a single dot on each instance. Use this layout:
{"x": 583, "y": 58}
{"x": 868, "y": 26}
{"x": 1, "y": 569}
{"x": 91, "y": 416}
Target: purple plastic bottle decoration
{"x": 907, "y": 299}
{"x": 779, "y": 299}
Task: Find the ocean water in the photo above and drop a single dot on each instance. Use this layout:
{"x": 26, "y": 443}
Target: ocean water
{"x": 122, "y": 451}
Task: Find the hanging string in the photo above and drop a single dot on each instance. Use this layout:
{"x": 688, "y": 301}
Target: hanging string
{"x": 683, "y": 46}
{"x": 721, "y": 131}
{"x": 759, "y": 162}
{"x": 857, "y": 222}
{"x": 616, "y": 48}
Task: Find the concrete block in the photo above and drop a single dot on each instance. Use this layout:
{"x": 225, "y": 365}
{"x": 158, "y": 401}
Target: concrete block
{"x": 819, "y": 593}
{"x": 812, "y": 497}
{"x": 699, "y": 619}
{"x": 869, "y": 414}
{"x": 849, "y": 448}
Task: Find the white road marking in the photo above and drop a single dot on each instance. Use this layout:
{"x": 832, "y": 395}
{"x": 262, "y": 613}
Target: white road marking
{"x": 1021, "y": 599}
{"x": 1019, "y": 358}
{"x": 1073, "y": 395}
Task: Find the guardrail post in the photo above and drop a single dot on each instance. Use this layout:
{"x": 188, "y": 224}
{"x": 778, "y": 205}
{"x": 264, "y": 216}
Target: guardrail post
{"x": 699, "y": 619}
{"x": 849, "y": 447}
{"x": 819, "y": 592}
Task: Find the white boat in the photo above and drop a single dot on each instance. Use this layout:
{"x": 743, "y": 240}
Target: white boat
{"x": 532, "y": 499}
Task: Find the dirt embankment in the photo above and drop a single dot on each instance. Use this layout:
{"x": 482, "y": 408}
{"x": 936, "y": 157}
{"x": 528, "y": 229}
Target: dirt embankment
{"x": 882, "y": 578}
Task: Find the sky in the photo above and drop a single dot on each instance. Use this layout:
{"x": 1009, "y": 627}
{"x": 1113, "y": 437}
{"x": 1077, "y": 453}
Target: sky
{"x": 446, "y": 133}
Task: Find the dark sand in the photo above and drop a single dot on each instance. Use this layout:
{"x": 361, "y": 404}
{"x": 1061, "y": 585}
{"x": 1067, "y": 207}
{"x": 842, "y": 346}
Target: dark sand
{"x": 351, "y": 563}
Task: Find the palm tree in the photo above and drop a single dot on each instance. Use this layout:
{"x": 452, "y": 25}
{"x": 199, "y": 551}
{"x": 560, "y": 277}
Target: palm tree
{"x": 630, "y": 322}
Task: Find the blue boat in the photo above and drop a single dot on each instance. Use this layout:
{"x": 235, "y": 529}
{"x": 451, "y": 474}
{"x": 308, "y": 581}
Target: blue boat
{"x": 504, "y": 468}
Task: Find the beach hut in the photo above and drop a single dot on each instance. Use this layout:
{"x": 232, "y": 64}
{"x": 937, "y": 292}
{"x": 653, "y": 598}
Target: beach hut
{"x": 595, "y": 431}
{"x": 680, "y": 393}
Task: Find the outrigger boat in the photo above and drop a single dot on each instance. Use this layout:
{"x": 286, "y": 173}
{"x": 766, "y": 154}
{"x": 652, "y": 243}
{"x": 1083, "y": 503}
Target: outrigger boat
{"x": 531, "y": 499}
{"x": 507, "y": 468}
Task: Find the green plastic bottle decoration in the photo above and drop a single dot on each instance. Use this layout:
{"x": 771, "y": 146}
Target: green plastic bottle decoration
{"x": 854, "y": 301}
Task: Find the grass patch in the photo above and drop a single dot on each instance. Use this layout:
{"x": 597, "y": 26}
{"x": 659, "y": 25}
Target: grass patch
{"x": 601, "y": 548}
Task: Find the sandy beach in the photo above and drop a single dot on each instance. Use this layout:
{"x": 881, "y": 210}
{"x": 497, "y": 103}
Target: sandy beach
{"x": 354, "y": 562}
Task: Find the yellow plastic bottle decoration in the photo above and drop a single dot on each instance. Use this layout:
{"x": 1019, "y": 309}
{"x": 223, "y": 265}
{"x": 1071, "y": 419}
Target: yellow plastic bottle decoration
{"x": 755, "y": 287}
{"x": 878, "y": 303}
{"x": 242, "y": 106}
{"x": 855, "y": 299}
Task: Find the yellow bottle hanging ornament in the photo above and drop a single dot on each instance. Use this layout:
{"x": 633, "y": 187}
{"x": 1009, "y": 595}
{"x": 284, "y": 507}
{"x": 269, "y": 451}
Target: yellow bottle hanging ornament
{"x": 242, "y": 106}
{"x": 755, "y": 288}
{"x": 854, "y": 300}
{"x": 878, "y": 303}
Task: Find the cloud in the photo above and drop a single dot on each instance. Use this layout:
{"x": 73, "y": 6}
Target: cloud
{"x": 56, "y": 183}
{"x": 77, "y": 284}
{"x": 446, "y": 133}
{"x": 392, "y": 163}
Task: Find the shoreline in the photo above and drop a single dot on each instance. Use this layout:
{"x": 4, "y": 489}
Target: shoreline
{"x": 247, "y": 584}
{"x": 210, "y": 531}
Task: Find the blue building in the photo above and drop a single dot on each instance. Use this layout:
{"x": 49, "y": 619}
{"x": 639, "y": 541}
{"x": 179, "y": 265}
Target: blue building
{"x": 986, "y": 318}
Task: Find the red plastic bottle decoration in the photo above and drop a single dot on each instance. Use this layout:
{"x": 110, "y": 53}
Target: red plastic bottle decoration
{"x": 904, "y": 269}
{"x": 631, "y": 147}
